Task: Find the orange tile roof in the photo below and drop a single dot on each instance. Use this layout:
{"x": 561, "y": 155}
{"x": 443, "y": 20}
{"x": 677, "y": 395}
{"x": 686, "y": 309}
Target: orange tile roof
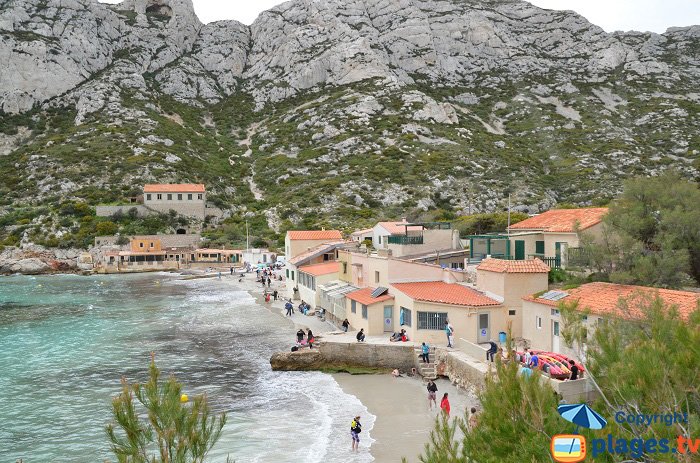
{"x": 363, "y": 232}
{"x": 604, "y": 299}
{"x": 364, "y": 296}
{"x": 563, "y": 220}
{"x": 321, "y": 269}
{"x": 513, "y": 266}
{"x": 174, "y": 188}
{"x": 317, "y": 250}
{"x": 445, "y": 293}
{"x": 398, "y": 228}
{"x": 314, "y": 235}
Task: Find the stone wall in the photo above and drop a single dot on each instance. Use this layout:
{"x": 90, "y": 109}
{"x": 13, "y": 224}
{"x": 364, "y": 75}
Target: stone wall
{"x": 338, "y": 355}
{"x": 108, "y": 211}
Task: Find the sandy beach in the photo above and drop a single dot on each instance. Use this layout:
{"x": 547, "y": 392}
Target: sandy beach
{"x": 403, "y": 423}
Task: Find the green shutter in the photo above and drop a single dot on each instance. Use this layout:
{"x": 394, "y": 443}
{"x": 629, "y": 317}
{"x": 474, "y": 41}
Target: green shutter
{"x": 539, "y": 247}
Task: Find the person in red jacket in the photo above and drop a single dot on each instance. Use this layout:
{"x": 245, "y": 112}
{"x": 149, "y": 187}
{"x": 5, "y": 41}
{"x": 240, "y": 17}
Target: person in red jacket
{"x": 445, "y": 404}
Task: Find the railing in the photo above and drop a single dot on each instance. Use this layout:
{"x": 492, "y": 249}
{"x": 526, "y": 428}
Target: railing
{"x": 552, "y": 262}
{"x": 579, "y": 257}
{"x": 406, "y": 239}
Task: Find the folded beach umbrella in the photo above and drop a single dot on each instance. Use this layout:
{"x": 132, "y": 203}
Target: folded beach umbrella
{"x": 582, "y": 415}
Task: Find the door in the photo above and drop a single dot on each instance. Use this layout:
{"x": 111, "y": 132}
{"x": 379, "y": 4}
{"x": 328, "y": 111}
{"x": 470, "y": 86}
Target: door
{"x": 519, "y": 250}
{"x": 555, "y": 336}
{"x": 484, "y": 334}
{"x": 388, "y": 318}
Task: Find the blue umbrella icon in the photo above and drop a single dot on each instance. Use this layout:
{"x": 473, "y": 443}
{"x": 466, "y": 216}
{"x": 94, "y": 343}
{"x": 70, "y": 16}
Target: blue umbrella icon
{"x": 582, "y": 415}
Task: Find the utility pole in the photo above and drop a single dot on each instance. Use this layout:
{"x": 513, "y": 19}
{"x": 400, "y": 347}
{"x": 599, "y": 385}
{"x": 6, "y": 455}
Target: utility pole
{"x": 247, "y": 238}
{"x": 508, "y": 229}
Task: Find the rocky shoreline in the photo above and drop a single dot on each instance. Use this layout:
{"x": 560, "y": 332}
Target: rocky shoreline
{"x": 37, "y": 260}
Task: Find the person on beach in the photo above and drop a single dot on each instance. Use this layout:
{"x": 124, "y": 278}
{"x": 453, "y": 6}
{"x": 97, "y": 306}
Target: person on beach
{"x": 425, "y": 352}
{"x": 310, "y": 338}
{"x": 432, "y": 394}
{"x": 219, "y": 275}
{"x": 534, "y": 361}
{"x": 231, "y": 269}
{"x": 473, "y": 419}
{"x": 300, "y": 335}
{"x": 274, "y": 294}
{"x": 361, "y": 335}
{"x": 445, "y": 404}
{"x": 493, "y": 348}
{"x": 345, "y": 325}
{"x": 526, "y": 357}
{"x": 289, "y": 308}
{"x": 355, "y": 430}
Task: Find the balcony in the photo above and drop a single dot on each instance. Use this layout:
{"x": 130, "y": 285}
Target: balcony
{"x": 405, "y": 239}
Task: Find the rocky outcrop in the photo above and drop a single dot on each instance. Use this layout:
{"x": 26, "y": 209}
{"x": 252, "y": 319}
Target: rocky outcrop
{"x": 36, "y": 260}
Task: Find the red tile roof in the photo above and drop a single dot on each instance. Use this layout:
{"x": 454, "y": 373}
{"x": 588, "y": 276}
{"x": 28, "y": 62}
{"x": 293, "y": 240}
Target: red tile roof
{"x": 398, "y": 228}
{"x": 314, "y": 235}
{"x": 321, "y": 269}
{"x": 364, "y": 296}
{"x": 563, "y": 220}
{"x": 445, "y": 293}
{"x": 604, "y": 299}
{"x": 174, "y": 188}
{"x": 513, "y": 266}
{"x": 317, "y": 250}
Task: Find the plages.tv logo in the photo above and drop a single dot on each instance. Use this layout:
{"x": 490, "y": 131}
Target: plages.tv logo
{"x": 572, "y": 448}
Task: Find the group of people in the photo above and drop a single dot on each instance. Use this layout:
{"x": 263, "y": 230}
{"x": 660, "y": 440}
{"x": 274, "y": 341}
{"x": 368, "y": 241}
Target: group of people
{"x": 270, "y": 295}
{"x": 400, "y": 336}
{"x": 432, "y": 398}
{"x": 304, "y": 339}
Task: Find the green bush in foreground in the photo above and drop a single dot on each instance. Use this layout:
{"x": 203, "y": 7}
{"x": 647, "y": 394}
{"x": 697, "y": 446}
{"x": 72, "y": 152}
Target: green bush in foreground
{"x": 173, "y": 432}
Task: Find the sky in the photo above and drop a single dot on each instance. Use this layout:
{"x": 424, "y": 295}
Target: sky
{"x": 611, "y": 15}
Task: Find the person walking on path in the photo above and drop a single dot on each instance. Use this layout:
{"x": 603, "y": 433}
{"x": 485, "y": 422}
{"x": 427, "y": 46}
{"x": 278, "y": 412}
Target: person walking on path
{"x": 492, "y": 350}
{"x": 289, "y": 308}
{"x": 432, "y": 394}
{"x": 300, "y": 335}
{"x": 310, "y": 338}
{"x": 274, "y": 294}
{"x": 445, "y": 404}
{"x": 473, "y": 419}
{"x": 448, "y": 332}
{"x": 345, "y": 325}
{"x": 355, "y": 430}
{"x": 425, "y": 352}
{"x": 231, "y": 271}
{"x": 361, "y": 335}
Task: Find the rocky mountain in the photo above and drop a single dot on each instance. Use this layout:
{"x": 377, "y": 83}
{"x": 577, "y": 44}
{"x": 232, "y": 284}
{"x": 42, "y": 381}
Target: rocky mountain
{"x": 327, "y": 110}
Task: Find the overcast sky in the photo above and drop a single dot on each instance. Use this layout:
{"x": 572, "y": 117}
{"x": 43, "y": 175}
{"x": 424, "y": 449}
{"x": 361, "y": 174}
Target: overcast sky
{"x": 611, "y": 15}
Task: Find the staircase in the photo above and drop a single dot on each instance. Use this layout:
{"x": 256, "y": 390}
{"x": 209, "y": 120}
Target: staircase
{"x": 426, "y": 370}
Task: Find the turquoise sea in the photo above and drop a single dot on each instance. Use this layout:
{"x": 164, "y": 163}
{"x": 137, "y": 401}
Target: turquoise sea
{"x": 66, "y": 340}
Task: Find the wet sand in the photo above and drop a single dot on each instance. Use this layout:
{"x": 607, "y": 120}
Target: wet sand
{"x": 404, "y": 422}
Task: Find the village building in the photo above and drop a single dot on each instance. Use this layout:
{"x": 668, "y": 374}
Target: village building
{"x": 543, "y": 323}
{"x": 360, "y": 236}
{"x": 549, "y": 236}
{"x": 307, "y": 247}
{"x": 255, "y": 256}
{"x": 403, "y": 238}
{"x": 218, "y": 256}
{"x": 511, "y": 280}
{"x": 311, "y": 277}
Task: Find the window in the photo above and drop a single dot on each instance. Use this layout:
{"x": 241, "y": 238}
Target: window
{"x": 189, "y": 196}
{"x": 170, "y": 197}
{"x": 292, "y": 275}
{"x": 345, "y": 267}
{"x": 538, "y": 322}
{"x": 364, "y": 311}
{"x": 200, "y": 196}
{"x": 555, "y": 311}
{"x": 140, "y": 245}
{"x": 555, "y": 327}
{"x": 151, "y": 245}
{"x": 353, "y": 306}
{"x": 432, "y": 320}
{"x": 179, "y": 197}
{"x": 405, "y": 316}
{"x": 148, "y": 197}
{"x": 380, "y": 240}
{"x": 159, "y": 196}
{"x": 511, "y": 312}
{"x": 376, "y": 276}
{"x": 336, "y": 253}
{"x": 326, "y": 257}
{"x": 287, "y": 270}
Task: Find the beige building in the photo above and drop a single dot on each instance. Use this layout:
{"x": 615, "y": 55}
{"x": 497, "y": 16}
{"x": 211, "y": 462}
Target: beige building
{"x": 185, "y": 198}
{"x": 403, "y": 238}
{"x": 548, "y": 236}
{"x": 310, "y": 277}
{"x": 543, "y": 324}
{"x": 510, "y": 281}
{"x": 300, "y": 241}
{"x": 308, "y": 248}
{"x": 374, "y": 314}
